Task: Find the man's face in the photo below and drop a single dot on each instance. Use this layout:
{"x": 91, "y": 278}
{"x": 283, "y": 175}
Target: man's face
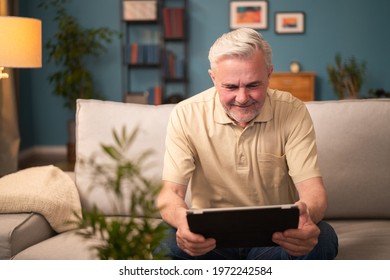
{"x": 242, "y": 86}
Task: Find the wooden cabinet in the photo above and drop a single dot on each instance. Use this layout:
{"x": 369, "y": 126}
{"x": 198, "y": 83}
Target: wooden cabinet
{"x": 301, "y": 85}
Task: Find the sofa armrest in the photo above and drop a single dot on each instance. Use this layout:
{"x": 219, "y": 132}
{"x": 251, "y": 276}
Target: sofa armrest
{"x": 22, "y": 230}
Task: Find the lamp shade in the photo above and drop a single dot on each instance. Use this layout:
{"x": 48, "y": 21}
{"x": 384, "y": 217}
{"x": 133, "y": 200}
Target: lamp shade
{"x": 20, "y": 42}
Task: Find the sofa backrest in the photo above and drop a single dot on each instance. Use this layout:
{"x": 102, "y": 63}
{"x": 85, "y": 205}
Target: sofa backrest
{"x": 353, "y": 139}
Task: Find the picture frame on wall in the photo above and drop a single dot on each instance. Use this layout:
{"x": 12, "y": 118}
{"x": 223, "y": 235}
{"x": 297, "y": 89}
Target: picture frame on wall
{"x": 252, "y": 14}
{"x": 290, "y": 22}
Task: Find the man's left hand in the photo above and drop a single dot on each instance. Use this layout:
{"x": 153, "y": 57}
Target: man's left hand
{"x": 300, "y": 241}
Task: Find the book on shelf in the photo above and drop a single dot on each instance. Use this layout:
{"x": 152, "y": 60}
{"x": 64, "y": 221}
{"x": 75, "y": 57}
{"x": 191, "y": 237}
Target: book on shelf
{"x": 134, "y": 53}
{"x": 142, "y": 54}
{"x": 173, "y": 19}
{"x": 155, "y": 95}
{"x": 152, "y": 53}
{"x": 174, "y": 68}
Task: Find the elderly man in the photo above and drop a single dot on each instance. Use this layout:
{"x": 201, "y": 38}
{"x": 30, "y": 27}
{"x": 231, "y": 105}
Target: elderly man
{"x": 243, "y": 144}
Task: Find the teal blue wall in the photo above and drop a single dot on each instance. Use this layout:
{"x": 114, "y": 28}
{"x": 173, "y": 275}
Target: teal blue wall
{"x": 351, "y": 27}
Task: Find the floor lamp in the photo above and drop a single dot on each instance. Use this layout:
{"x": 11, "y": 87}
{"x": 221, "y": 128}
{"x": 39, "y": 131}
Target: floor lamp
{"x": 20, "y": 47}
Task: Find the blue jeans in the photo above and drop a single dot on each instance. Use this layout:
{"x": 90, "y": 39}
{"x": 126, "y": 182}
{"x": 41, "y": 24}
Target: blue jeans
{"x": 326, "y": 249}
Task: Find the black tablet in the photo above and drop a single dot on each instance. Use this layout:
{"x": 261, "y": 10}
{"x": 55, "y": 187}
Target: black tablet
{"x": 243, "y": 226}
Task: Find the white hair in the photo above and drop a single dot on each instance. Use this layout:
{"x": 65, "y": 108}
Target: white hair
{"x": 242, "y": 42}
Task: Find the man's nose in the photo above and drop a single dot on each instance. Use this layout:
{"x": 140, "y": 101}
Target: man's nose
{"x": 242, "y": 95}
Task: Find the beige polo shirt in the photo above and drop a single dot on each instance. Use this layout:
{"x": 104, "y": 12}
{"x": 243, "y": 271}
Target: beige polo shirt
{"x": 230, "y": 166}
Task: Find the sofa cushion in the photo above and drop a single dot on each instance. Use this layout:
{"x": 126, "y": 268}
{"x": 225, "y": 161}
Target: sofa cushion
{"x": 363, "y": 239}
{"x": 95, "y": 121}
{"x": 71, "y": 245}
{"x": 354, "y": 156}
{"x": 19, "y": 231}
{"x": 65, "y": 246}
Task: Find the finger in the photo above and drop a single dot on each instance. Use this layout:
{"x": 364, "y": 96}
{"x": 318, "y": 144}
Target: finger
{"x": 295, "y": 247}
{"x": 304, "y": 216}
{"x": 206, "y": 244}
{"x": 196, "y": 248}
{"x": 196, "y": 252}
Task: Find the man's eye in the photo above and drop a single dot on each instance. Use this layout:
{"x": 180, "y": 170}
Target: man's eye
{"x": 252, "y": 86}
{"x": 231, "y": 87}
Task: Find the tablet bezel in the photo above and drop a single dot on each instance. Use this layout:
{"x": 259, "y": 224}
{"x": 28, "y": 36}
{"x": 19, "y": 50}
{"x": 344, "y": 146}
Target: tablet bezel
{"x": 251, "y": 226}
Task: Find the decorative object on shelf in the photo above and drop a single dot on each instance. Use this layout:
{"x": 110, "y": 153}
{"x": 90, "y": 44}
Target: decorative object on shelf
{"x": 290, "y": 22}
{"x": 133, "y": 233}
{"x": 347, "y": 77}
{"x": 136, "y": 97}
{"x": 295, "y": 67}
{"x": 152, "y": 96}
{"x": 253, "y": 14}
{"x": 140, "y": 10}
{"x": 68, "y": 48}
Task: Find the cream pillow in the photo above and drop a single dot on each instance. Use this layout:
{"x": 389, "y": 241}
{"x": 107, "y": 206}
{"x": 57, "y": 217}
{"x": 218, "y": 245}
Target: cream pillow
{"x": 95, "y": 121}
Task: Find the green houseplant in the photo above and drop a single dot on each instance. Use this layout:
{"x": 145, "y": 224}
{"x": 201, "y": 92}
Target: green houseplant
{"x": 347, "y": 76}
{"x": 134, "y": 233}
{"x": 68, "y": 49}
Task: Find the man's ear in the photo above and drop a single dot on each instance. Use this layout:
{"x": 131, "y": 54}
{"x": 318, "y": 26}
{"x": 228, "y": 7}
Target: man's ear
{"x": 211, "y": 73}
{"x": 270, "y": 71}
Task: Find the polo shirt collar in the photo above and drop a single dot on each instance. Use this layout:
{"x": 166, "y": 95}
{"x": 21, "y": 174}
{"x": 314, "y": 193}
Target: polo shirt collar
{"x": 221, "y": 117}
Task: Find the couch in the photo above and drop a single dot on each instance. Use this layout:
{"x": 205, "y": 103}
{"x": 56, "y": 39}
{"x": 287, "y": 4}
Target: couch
{"x": 353, "y": 138}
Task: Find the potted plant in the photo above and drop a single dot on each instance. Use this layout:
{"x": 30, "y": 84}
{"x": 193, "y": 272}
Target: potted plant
{"x": 134, "y": 233}
{"x": 347, "y": 77}
{"x": 378, "y": 93}
{"x": 68, "y": 49}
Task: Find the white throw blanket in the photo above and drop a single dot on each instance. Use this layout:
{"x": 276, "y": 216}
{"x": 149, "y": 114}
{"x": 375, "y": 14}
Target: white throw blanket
{"x": 46, "y": 190}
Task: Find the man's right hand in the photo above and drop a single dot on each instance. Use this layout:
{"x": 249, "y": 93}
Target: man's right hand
{"x": 173, "y": 210}
{"x": 189, "y": 242}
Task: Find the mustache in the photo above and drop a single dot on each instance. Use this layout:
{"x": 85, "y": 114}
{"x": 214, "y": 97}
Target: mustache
{"x": 248, "y": 103}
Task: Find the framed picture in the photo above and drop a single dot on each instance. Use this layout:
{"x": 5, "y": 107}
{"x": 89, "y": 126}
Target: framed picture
{"x": 289, "y": 22}
{"x": 253, "y": 14}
